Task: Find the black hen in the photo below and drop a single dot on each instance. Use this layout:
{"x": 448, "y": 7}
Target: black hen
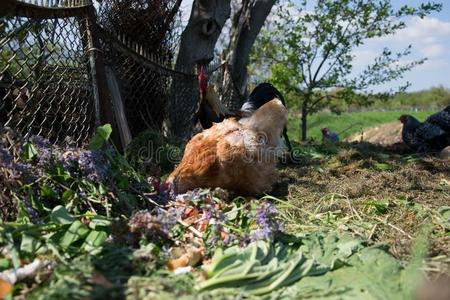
{"x": 427, "y": 136}
{"x": 261, "y": 94}
{"x": 441, "y": 119}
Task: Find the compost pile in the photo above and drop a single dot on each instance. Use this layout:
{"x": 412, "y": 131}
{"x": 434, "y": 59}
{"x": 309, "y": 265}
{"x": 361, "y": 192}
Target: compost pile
{"x": 81, "y": 223}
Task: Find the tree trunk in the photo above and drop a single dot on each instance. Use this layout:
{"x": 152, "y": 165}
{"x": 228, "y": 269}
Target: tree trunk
{"x": 201, "y": 33}
{"x": 246, "y": 25}
{"x": 304, "y": 120}
{"x": 197, "y": 47}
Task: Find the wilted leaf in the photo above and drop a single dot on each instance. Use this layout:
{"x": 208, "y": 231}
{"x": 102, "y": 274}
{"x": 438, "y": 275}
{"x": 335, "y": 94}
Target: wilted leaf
{"x": 98, "y": 279}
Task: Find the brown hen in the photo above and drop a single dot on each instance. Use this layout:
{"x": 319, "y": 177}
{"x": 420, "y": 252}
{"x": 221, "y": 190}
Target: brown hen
{"x": 239, "y": 156}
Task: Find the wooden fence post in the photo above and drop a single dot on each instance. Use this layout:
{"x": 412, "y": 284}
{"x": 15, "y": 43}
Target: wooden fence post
{"x": 119, "y": 110}
{"x": 103, "y": 103}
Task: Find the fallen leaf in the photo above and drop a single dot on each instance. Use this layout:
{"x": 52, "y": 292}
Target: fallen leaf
{"x": 5, "y": 288}
{"x": 179, "y": 262}
{"x": 191, "y": 258}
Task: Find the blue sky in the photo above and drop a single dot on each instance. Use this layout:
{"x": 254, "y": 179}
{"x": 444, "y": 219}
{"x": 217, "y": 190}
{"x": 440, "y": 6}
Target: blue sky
{"x": 429, "y": 37}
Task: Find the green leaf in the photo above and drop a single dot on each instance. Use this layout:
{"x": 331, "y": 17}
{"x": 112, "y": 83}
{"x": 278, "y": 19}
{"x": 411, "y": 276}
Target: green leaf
{"x": 76, "y": 232}
{"x": 102, "y": 135}
{"x": 28, "y": 152}
{"x": 67, "y": 195}
{"x": 325, "y": 264}
{"x": 47, "y": 191}
{"x": 4, "y": 264}
{"x": 94, "y": 241}
{"x": 29, "y": 244}
{"x": 383, "y": 167}
{"x": 22, "y": 213}
{"x": 99, "y": 221}
{"x": 122, "y": 182}
{"x": 60, "y": 215}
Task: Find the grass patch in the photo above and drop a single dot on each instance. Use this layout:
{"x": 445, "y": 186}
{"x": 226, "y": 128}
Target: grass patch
{"x": 350, "y": 122}
{"x": 375, "y": 194}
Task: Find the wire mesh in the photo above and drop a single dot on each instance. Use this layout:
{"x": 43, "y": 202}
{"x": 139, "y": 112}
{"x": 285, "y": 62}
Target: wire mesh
{"x": 148, "y": 81}
{"x": 45, "y": 88}
{"x": 46, "y": 58}
{"x": 156, "y": 25}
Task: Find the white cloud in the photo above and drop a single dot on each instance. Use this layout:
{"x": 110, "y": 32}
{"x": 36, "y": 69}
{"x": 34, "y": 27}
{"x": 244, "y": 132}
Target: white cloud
{"x": 426, "y": 29}
{"x": 433, "y": 50}
{"x": 429, "y": 37}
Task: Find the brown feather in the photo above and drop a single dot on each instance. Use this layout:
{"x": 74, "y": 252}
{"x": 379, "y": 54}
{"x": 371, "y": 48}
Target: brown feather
{"x": 232, "y": 155}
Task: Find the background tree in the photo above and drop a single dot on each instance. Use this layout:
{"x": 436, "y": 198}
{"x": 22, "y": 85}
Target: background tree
{"x": 246, "y": 23}
{"x": 309, "y": 53}
{"x": 196, "y": 47}
{"x": 198, "y": 41}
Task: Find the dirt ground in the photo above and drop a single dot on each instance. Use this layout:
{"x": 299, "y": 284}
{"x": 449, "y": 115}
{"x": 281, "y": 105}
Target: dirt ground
{"x": 376, "y": 192}
{"x": 384, "y": 134}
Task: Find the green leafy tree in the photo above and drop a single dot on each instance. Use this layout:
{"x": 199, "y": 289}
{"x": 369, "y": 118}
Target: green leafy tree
{"x": 309, "y": 53}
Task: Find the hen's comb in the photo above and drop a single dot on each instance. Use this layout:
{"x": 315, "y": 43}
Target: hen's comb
{"x": 203, "y": 83}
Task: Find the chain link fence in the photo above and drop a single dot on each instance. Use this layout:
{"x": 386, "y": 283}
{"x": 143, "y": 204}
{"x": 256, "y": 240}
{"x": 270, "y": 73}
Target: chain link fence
{"x": 63, "y": 71}
{"x": 45, "y": 84}
{"x": 146, "y": 86}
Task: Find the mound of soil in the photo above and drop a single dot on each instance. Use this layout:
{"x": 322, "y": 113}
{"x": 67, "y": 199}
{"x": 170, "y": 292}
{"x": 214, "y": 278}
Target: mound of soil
{"x": 384, "y": 134}
{"x": 374, "y": 192}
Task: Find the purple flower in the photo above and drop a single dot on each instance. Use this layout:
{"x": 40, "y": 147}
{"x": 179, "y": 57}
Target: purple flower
{"x": 40, "y": 142}
{"x": 45, "y": 157}
{"x": 34, "y": 215}
{"x": 6, "y": 158}
{"x": 45, "y": 149}
{"x": 157, "y": 222}
{"x": 94, "y": 165}
{"x": 212, "y": 241}
{"x": 261, "y": 234}
{"x": 207, "y": 215}
{"x": 267, "y": 222}
{"x": 24, "y": 171}
{"x": 167, "y": 219}
{"x": 229, "y": 239}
